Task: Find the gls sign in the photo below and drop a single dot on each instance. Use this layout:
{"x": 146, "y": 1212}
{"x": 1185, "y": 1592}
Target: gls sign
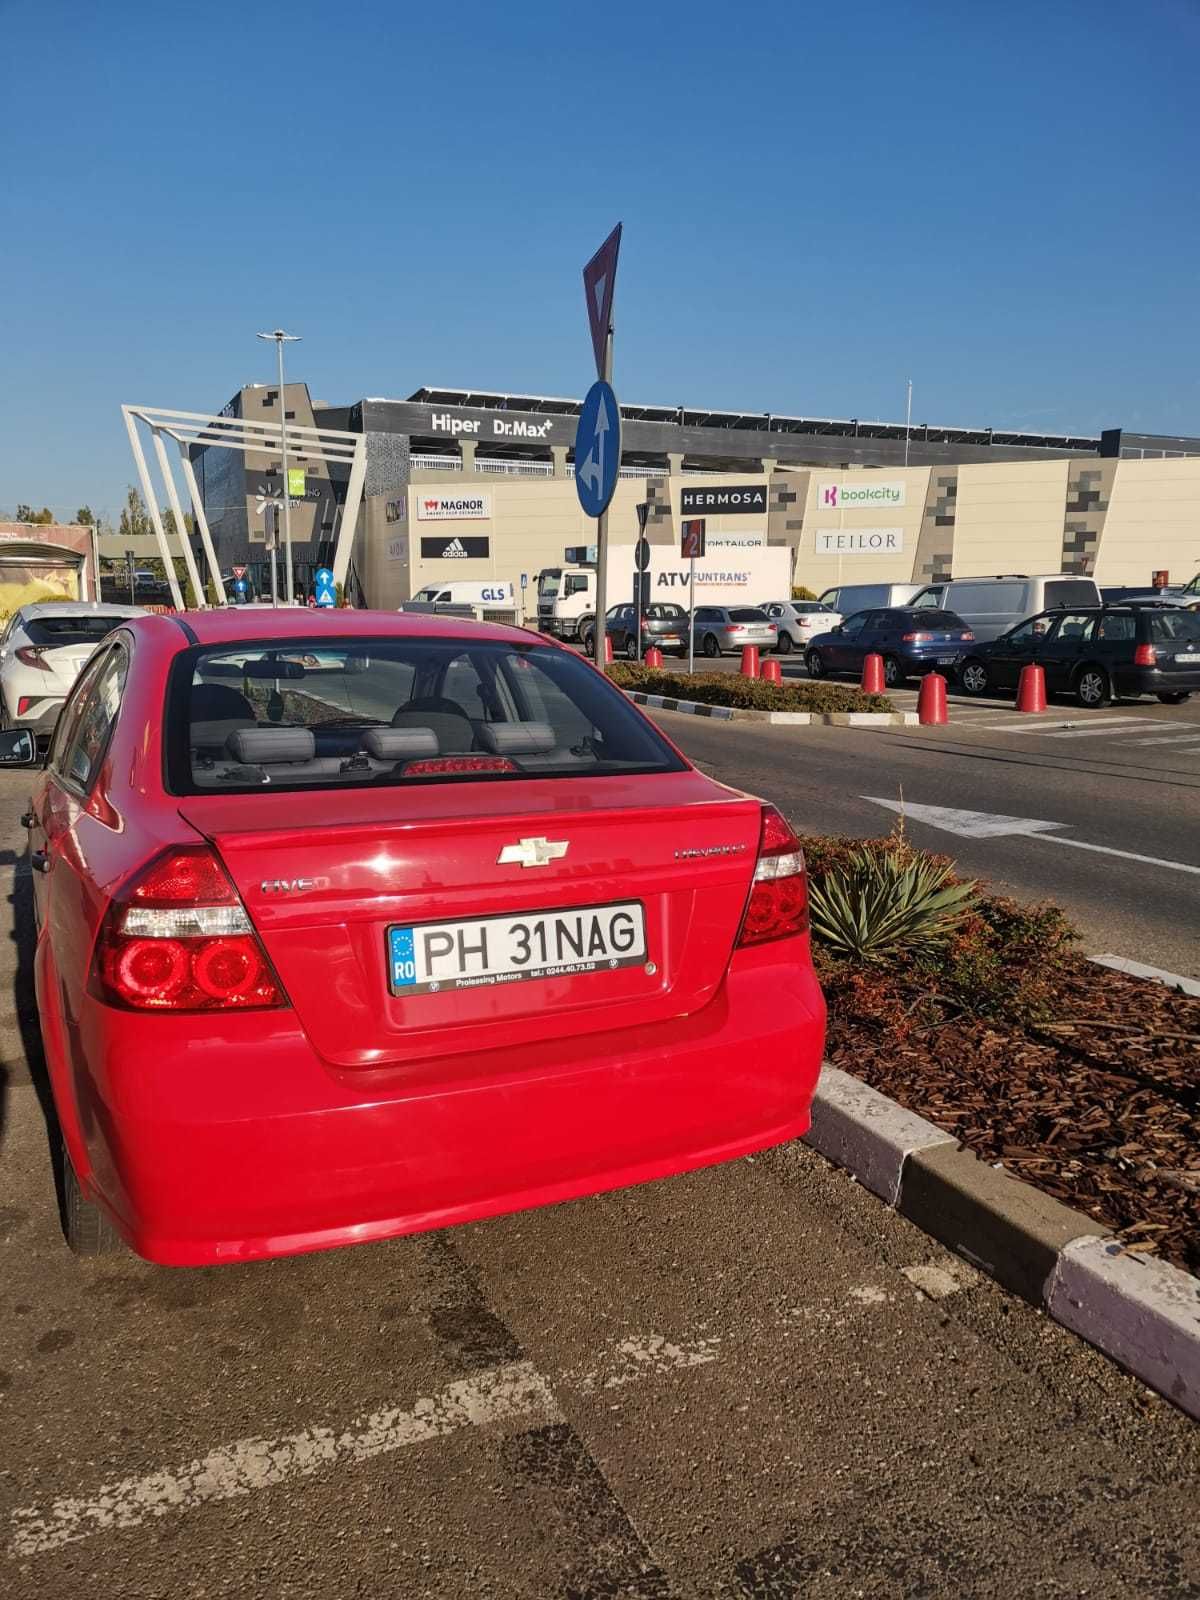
{"x": 490, "y": 427}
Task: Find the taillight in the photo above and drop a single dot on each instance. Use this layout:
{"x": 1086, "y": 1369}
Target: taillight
{"x": 24, "y": 701}
{"x": 177, "y": 938}
{"x": 31, "y": 655}
{"x": 968, "y": 635}
{"x": 731, "y": 628}
{"x": 456, "y": 766}
{"x": 917, "y": 638}
{"x": 1145, "y": 656}
{"x": 778, "y": 903}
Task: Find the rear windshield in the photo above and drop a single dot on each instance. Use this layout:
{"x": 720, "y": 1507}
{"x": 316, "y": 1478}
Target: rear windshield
{"x": 928, "y": 621}
{"x": 1167, "y": 626}
{"x": 1065, "y": 592}
{"x": 747, "y": 614}
{"x": 664, "y": 613}
{"x": 53, "y": 631}
{"x": 312, "y": 715}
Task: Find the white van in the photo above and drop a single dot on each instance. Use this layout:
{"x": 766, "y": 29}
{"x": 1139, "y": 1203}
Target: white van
{"x": 990, "y": 606}
{"x": 851, "y": 597}
{"x": 465, "y": 592}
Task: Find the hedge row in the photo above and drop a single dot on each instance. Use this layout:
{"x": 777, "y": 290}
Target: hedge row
{"x": 753, "y": 694}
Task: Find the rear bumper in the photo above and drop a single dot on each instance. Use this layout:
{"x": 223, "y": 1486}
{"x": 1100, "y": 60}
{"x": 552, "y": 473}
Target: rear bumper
{"x": 203, "y": 1152}
{"x": 1150, "y": 680}
{"x": 41, "y": 717}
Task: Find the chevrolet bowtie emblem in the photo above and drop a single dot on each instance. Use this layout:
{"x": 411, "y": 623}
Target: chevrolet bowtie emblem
{"x": 532, "y": 852}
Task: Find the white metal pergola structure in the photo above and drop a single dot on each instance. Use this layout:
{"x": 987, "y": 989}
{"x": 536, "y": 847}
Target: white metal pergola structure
{"x": 329, "y": 446}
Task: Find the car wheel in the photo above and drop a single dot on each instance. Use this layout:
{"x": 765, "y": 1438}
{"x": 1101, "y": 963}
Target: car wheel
{"x": 631, "y": 649}
{"x": 87, "y": 1230}
{"x": 711, "y": 645}
{"x": 893, "y": 672}
{"x": 974, "y": 677}
{"x": 784, "y": 643}
{"x": 1092, "y": 686}
{"x": 815, "y": 664}
{"x": 1174, "y": 697}
{"x": 588, "y": 640}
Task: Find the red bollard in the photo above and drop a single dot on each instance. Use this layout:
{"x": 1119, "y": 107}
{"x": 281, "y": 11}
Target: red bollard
{"x": 772, "y": 672}
{"x": 872, "y": 674}
{"x": 931, "y": 702}
{"x": 1031, "y": 691}
{"x": 653, "y": 656}
{"x": 749, "y": 661}
{"x": 608, "y": 655}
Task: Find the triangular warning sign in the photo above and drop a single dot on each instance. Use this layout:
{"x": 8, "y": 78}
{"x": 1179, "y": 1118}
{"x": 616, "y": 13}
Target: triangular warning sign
{"x": 599, "y": 280}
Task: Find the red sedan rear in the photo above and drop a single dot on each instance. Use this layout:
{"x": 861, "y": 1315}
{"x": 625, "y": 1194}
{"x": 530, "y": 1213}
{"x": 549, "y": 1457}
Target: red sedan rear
{"x": 351, "y": 925}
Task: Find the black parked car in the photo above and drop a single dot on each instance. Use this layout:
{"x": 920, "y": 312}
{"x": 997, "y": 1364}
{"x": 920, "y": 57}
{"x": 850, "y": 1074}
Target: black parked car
{"x": 1096, "y": 652}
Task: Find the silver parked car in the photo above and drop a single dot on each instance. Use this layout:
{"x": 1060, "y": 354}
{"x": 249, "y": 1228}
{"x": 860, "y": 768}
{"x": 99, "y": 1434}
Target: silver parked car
{"x": 722, "y": 628}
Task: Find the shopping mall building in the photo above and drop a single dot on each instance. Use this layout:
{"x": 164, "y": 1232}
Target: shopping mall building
{"x": 479, "y": 485}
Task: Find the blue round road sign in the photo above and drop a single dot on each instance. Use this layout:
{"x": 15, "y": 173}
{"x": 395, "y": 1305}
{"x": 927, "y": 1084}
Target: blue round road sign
{"x": 597, "y": 449}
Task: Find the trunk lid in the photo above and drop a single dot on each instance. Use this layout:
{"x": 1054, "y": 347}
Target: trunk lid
{"x": 324, "y": 890}
{"x": 65, "y": 662}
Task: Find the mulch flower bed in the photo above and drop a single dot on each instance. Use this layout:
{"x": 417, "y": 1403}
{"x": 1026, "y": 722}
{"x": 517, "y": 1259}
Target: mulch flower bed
{"x": 1082, "y": 1081}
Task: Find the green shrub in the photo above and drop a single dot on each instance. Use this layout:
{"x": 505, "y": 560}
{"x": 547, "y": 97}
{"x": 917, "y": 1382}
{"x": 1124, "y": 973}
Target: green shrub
{"x": 883, "y": 903}
{"x": 731, "y": 689}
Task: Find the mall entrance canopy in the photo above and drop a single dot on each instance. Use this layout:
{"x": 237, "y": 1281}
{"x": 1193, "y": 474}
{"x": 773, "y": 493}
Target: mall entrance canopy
{"x": 325, "y": 445}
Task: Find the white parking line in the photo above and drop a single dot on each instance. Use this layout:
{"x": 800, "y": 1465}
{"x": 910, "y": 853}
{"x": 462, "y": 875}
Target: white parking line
{"x": 1032, "y": 724}
{"x": 1171, "y": 738}
{"x": 1091, "y": 732}
{"x": 514, "y": 1392}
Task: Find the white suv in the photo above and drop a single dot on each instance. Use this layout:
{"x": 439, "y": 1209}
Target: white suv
{"x": 799, "y": 622}
{"x": 42, "y": 649}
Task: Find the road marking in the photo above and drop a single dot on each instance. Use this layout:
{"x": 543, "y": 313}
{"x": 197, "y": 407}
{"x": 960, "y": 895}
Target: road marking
{"x": 512, "y": 1392}
{"x": 1171, "y": 738}
{"x": 986, "y": 825}
{"x": 1139, "y": 969}
{"x": 1041, "y": 724}
{"x": 1090, "y": 733}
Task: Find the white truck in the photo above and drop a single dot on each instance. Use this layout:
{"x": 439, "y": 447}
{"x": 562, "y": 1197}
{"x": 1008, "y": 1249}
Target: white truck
{"x": 468, "y": 592}
{"x": 567, "y": 594}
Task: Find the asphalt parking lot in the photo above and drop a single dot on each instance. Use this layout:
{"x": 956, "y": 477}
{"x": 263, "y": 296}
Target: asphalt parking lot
{"x": 751, "y": 1381}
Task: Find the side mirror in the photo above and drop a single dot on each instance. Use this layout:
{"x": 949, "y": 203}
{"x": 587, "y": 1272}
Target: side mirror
{"x": 18, "y": 748}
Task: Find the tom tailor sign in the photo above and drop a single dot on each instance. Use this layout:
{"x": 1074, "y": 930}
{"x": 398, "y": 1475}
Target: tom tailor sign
{"x": 736, "y": 499}
{"x": 453, "y": 507}
{"x": 859, "y": 541}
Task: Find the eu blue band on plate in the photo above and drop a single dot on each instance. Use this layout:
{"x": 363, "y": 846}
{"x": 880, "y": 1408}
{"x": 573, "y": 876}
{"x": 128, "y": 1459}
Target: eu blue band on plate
{"x": 402, "y": 957}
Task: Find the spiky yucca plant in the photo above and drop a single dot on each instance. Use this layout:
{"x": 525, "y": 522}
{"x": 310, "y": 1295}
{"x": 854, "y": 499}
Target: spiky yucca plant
{"x": 881, "y": 905}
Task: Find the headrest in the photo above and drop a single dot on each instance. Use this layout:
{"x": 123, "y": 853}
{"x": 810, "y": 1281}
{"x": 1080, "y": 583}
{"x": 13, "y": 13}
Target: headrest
{"x": 256, "y": 746}
{"x": 517, "y": 738}
{"x": 400, "y": 744}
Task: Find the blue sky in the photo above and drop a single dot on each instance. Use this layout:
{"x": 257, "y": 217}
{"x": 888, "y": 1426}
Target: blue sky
{"x": 818, "y": 202}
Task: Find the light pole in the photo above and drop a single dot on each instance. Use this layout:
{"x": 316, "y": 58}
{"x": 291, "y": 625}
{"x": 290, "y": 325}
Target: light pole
{"x": 907, "y": 419}
{"x": 281, "y": 339}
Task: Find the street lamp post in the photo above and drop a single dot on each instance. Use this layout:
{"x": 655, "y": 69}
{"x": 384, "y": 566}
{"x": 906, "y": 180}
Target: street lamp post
{"x": 281, "y": 339}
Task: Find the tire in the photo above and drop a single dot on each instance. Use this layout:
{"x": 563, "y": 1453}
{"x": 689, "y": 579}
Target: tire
{"x": 784, "y": 643}
{"x": 711, "y": 645}
{"x": 893, "y": 673}
{"x": 815, "y": 664}
{"x": 587, "y": 639}
{"x": 974, "y": 677}
{"x": 1174, "y": 697}
{"x": 87, "y": 1230}
{"x": 631, "y": 650}
{"x": 1092, "y": 687}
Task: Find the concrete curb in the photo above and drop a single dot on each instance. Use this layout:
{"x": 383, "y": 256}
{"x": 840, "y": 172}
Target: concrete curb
{"x": 792, "y": 719}
{"x": 1139, "y": 1311}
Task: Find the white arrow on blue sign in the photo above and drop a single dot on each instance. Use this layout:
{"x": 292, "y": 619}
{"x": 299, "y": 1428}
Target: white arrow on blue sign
{"x": 597, "y": 449}
{"x": 324, "y": 588}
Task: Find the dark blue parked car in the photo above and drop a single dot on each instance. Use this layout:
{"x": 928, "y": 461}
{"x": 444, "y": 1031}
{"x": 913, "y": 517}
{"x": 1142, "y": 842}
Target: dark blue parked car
{"x": 910, "y": 641}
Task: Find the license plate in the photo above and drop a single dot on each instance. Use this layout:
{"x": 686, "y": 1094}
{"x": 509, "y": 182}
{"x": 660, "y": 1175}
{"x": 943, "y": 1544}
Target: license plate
{"x": 946, "y": 661}
{"x": 487, "y": 952}
{"x": 1190, "y": 659}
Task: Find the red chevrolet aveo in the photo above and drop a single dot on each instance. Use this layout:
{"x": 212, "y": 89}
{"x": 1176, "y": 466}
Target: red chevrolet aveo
{"x": 350, "y": 925}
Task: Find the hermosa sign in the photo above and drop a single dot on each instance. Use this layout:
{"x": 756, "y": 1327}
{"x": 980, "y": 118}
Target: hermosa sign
{"x": 859, "y": 541}
{"x": 862, "y": 494}
{"x": 453, "y": 507}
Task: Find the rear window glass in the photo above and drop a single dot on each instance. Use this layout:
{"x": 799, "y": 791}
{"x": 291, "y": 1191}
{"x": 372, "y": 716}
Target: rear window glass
{"x": 1005, "y": 598}
{"x": 747, "y": 614}
{"x": 664, "y": 613}
{"x": 1064, "y": 592}
{"x": 1168, "y": 626}
{"x": 397, "y": 711}
{"x": 927, "y": 621}
{"x": 52, "y": 631}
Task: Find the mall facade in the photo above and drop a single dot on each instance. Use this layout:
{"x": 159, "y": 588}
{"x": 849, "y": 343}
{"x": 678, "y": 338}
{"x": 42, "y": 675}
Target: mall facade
{"x": 479, "y": 485}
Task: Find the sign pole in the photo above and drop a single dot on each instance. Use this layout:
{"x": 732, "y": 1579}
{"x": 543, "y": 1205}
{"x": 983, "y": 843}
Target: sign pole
{"x": 692, "y": 615}
{"x": 602, "y": 535}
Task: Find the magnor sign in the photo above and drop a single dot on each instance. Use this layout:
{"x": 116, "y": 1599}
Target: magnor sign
{"x": 453, "y": 507}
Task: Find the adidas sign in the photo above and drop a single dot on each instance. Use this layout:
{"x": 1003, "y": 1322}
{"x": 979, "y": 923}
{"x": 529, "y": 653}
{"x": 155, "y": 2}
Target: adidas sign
{"x": 456, "y": 550}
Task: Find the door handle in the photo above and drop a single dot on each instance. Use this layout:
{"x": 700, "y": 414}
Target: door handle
{"x": 28, "y": 820}
{"x": 39, "y": 861}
